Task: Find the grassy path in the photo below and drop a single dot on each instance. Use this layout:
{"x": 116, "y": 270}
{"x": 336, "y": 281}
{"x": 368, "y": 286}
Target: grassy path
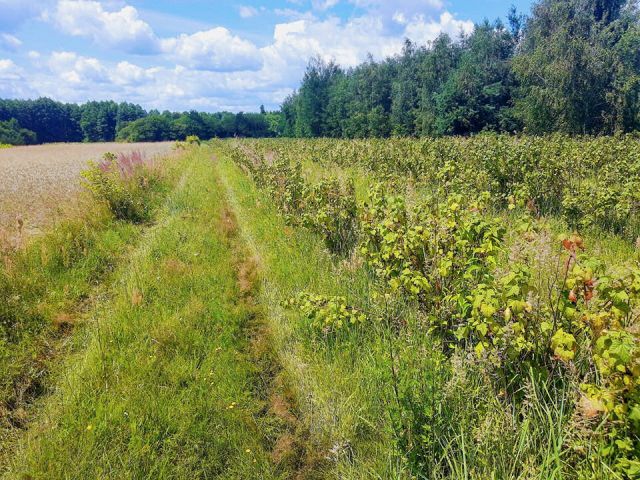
{"x": 168, "y": 385}
{"x": 188, "y": 364}
{"x": 191, "y": 368}
{"x": 339, "y": 391}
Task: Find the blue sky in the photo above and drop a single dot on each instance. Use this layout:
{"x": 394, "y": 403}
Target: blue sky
{"x": 206, "y": 55}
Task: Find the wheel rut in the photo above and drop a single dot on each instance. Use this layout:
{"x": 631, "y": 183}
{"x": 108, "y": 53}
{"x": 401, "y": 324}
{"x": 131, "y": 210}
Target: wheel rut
{"x": 286, "y": 437}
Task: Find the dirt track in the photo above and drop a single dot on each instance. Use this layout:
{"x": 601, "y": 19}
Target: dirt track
{"x": 37, "y": 181}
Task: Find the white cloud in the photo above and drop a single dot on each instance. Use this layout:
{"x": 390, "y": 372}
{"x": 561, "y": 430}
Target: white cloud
{"x": 13, "y": 83}
{"x": 121, "y": 28}
{"x": 76, "y": 69}
{"x": 214, "y": 68}
{"x": 397, "y": 13}
{"x": 423, "y": 31}
{"x": 247, "y": 11}
{"x": 8, "y": 69}
{"x": 126, "y": 73}
{"x": 215, "y": 50}
{"x": 9, "y": 42}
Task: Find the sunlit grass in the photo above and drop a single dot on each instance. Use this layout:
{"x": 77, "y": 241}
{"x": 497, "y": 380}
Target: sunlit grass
{"x": 162, "y": 386}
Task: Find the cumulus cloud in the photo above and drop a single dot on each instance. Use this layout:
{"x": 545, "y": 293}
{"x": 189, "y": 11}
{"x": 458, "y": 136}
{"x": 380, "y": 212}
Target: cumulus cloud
{"x": 397, "y": 13}
{"x": 423, "y": 31}
{"x": 216, "y": 50}
{"x": 121, "y": 28}
{"x": 215, "y": 68}
{"x": 349, "y": 43}
{"x": 75, "y": 69}
{"x": 126, "y": 73}
{"x": 13, "y": 82}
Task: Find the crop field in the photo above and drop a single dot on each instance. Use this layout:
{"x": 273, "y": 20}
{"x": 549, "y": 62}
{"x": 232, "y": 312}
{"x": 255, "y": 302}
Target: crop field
{"x": 38, "y": 181}
{"x": 459, "y": 308}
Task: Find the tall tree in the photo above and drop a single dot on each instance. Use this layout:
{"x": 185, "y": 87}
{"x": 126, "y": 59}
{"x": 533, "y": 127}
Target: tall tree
{"x": 566, "y": 63}
{"x": 313, "y": 97}
{"x": 434, "y": 67}
{"x": 477, "y": 95}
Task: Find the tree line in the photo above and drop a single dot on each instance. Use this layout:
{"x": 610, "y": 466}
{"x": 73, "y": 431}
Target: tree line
{"x": 24, "y": 122}
{"x": 570, "y": 66}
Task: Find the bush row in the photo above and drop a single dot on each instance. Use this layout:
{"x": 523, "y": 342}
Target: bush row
{"x": 589, "y": 181}
{"x": 447, "y": 255}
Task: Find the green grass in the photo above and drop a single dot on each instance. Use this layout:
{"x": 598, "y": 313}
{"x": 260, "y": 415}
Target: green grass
{"x": 186, "y": 364}
{"x": 44, "y": 291}
{"x": 163, "y": 387}
{"x": 341, "y": 392}
{"x": 47, "y": 289}
{"x": 443, "y": 416}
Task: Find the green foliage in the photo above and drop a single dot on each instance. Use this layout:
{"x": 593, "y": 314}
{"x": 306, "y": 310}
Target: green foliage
{"x": 473, "y": 304}
{"x": 571, "y": 67}
{"x": 327, "y": 314}
{"x": 445, "y": 257}
{"x": 12, "y": 134}
{"x": 327, "y": 208}
{"x": 592, "y": 182}
{"x": 129, "y": 186}
{"x": 567, "y": 67}
{"x": 446, "y": 254}
{"x": 192, "y": 140}
{"x": 331, "y": 211}
{"x": 49, "y": 121}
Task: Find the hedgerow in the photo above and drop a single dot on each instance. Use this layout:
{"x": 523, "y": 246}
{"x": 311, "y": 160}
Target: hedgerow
{"x": 589, "y": 181}
{"x": 574, "y": 332}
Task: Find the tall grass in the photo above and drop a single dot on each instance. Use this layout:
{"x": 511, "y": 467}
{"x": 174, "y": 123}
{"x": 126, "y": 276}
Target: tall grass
{"x": 163, "y": 384}
{"x": 47, "y": 287}
{"x": 341, "y": 388}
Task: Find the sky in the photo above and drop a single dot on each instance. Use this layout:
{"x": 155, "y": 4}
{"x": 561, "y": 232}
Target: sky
{"x": 207, "y": 55}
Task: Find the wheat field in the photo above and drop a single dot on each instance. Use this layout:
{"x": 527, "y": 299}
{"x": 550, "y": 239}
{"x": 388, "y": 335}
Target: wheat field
{"x": 38, "y": 183}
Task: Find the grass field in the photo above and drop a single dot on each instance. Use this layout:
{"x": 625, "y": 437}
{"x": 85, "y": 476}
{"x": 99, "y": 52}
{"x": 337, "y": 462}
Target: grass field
{"x": 319, "y": 309}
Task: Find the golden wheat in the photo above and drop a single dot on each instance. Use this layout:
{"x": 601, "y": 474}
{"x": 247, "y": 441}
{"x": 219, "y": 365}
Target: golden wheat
{"x": 38, "y": 183}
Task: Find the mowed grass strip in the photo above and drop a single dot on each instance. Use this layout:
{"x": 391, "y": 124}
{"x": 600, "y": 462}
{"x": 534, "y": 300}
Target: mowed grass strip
{"x": 163, "y": 389}
{"x": 341, "y": 390}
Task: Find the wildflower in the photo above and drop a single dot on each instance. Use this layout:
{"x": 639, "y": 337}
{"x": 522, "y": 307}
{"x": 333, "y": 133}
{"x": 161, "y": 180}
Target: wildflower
{"x": 89, "y": 427}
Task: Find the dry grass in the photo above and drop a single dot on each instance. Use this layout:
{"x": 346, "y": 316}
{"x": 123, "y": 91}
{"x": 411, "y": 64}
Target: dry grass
{"x": 37, "y": 183}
